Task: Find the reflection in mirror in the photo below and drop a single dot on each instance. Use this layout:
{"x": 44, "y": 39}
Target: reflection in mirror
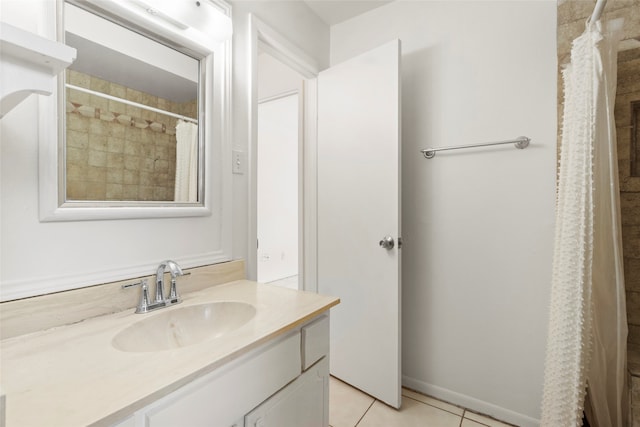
{"x": 635, "y": 138}
{"x": 132, "y": 114}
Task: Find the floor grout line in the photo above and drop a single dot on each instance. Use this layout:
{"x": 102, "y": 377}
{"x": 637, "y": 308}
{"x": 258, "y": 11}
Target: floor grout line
{"x": 462, "y": 416}
{"x": 365, "y": 413}
{"x": 434, "y": 406}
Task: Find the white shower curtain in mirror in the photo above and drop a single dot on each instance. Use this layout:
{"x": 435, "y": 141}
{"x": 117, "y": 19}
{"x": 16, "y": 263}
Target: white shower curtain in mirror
{"x": 186, "y": 188}
{"x": 587, "y": 324}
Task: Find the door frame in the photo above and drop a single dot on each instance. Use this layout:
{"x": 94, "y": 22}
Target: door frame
{"x": 264, "y": 37}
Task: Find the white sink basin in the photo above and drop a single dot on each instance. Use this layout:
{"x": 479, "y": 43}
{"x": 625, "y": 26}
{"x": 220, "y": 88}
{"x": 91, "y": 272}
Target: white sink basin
{"x": 183, "y": 326}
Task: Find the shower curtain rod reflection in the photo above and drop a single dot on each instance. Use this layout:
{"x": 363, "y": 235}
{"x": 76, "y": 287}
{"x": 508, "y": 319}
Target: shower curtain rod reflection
{"x": 132, "y": 103}
{"x": 520, "y": 142}
{"x": 597, "y": 10}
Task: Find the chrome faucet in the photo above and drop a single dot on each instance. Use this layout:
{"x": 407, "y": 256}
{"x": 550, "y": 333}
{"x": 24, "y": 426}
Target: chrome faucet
{"x": 145, "y": 306}
{"x": 175, "y": 271}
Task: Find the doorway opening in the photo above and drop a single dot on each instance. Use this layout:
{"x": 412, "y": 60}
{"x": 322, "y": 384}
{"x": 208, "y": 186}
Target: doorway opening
{"x": 279, "y": 139}
{"x": 279, "y": 68}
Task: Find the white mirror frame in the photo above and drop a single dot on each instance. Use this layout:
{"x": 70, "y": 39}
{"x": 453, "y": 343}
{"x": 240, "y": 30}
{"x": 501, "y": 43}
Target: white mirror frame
{"x": 216, "y": 197}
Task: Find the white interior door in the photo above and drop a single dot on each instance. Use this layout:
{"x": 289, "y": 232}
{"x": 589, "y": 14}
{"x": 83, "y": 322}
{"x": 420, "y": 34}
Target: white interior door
{"x": 359, "y": 205}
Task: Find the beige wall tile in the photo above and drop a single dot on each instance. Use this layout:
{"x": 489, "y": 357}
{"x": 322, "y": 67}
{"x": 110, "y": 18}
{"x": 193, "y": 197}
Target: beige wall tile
{"x": 116, "y": 131}
{"x": 630, "y": 208}
{"x": 77, "y": 155}
{"x": 77, "y": 172}
{"x": 97, "y": 174}
{"x": 77, "y": 139}
{"x": 161, "y": 193}
{"x": 131, "y": 142}
{"x": 75, "y": 122}
{"x": 147, "y": 149}
{"x": 146, "y": 178}
{"x": 115, "y": 144}
{"x": 129, "y": 192}
{"x": 115, "y": 161}
{"x": 635, "y": 413}
{"x": 98, "y": 127}
{"x": 633, "y": 308}
{"x": 114, "y": 191}
{"x": 132, "y": 163}
{"x": 634, "y": 336}
{"x": 131, "y": 177}
{"x": 79, "y": 79}
{"x": 98, "y": 158}
{"x": 98, "y": 142}
{"x": 115, "y": 176}
{"x": 632, "y": 273}
{"x": 76, "y": 190}
{"x": 96, "y": 190}
{"x": 147, "y": 165}
{"x": 631, "y": 241}
{"x": 146, "y": 192}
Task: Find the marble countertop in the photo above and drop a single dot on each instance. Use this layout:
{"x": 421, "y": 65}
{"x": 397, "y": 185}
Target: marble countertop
{"x": 72, "y": 375}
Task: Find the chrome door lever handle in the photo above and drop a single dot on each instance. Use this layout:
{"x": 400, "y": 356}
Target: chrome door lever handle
{"x": 387, "y": 243}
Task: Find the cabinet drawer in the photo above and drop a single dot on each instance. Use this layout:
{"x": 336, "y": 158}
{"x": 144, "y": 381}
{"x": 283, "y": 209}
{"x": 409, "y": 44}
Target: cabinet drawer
{"x": 223, "y": 396}
{"x": 302, "y": 403}
{"x": 315, "y": 341}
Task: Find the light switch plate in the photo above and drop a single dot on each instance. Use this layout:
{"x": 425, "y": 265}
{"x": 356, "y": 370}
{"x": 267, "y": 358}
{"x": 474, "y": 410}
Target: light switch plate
{"x": 239, "y": 162}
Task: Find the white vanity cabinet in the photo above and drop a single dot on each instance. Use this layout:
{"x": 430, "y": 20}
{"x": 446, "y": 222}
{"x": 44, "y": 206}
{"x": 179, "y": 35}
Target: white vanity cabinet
{"x": 304, "y": 402}
{"x": 283, "y": 383}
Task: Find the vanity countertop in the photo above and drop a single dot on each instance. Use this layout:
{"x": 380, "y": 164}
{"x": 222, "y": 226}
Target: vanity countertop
{"x": 71, "y": 375}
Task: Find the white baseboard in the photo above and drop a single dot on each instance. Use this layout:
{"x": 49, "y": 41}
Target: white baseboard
{"x": 475, "y": 405}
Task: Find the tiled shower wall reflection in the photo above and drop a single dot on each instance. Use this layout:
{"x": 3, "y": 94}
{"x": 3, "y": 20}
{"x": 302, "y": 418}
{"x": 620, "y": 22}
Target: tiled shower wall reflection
{"x": 116, "y": 151}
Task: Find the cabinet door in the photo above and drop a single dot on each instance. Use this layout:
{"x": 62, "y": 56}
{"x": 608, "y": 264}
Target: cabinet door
{"x": 303, "y": 403}
{"x": 223, "y": 396}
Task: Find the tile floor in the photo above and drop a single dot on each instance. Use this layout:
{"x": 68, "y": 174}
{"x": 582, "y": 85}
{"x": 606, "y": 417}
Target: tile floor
{"x": 349, "y": 407}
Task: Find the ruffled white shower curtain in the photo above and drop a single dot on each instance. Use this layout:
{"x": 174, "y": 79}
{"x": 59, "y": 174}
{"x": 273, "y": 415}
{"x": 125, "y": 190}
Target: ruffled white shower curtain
{"x": 587, "y": 325}
{"x": 186, "y": 187}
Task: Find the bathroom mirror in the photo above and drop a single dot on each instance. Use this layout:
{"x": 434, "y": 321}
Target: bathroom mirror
{"x": 139, "y": 113}
{"x": 131, "y": 113}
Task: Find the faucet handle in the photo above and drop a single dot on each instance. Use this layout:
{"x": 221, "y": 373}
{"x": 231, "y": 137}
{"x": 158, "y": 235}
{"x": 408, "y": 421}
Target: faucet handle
{"x": 143, "y": 305}
{"x": 174, "y": 298}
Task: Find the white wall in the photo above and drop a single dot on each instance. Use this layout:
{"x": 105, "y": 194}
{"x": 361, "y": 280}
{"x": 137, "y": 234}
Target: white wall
{"x": 277, "y": 170}
{"x": 278, "y": 189}
{"x": 44, "y": 257}
{"x": 295, "y": 22}
{"x": 477, "y": 224}
{"x": 275, "y": 78}
{"x": 38, "y": 255}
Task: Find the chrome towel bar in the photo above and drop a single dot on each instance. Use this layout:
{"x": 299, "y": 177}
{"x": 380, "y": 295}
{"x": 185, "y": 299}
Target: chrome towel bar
{"x": 520, "y": 142}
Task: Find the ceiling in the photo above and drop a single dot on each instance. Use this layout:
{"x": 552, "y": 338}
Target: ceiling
{"x": 335, "y": 11}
